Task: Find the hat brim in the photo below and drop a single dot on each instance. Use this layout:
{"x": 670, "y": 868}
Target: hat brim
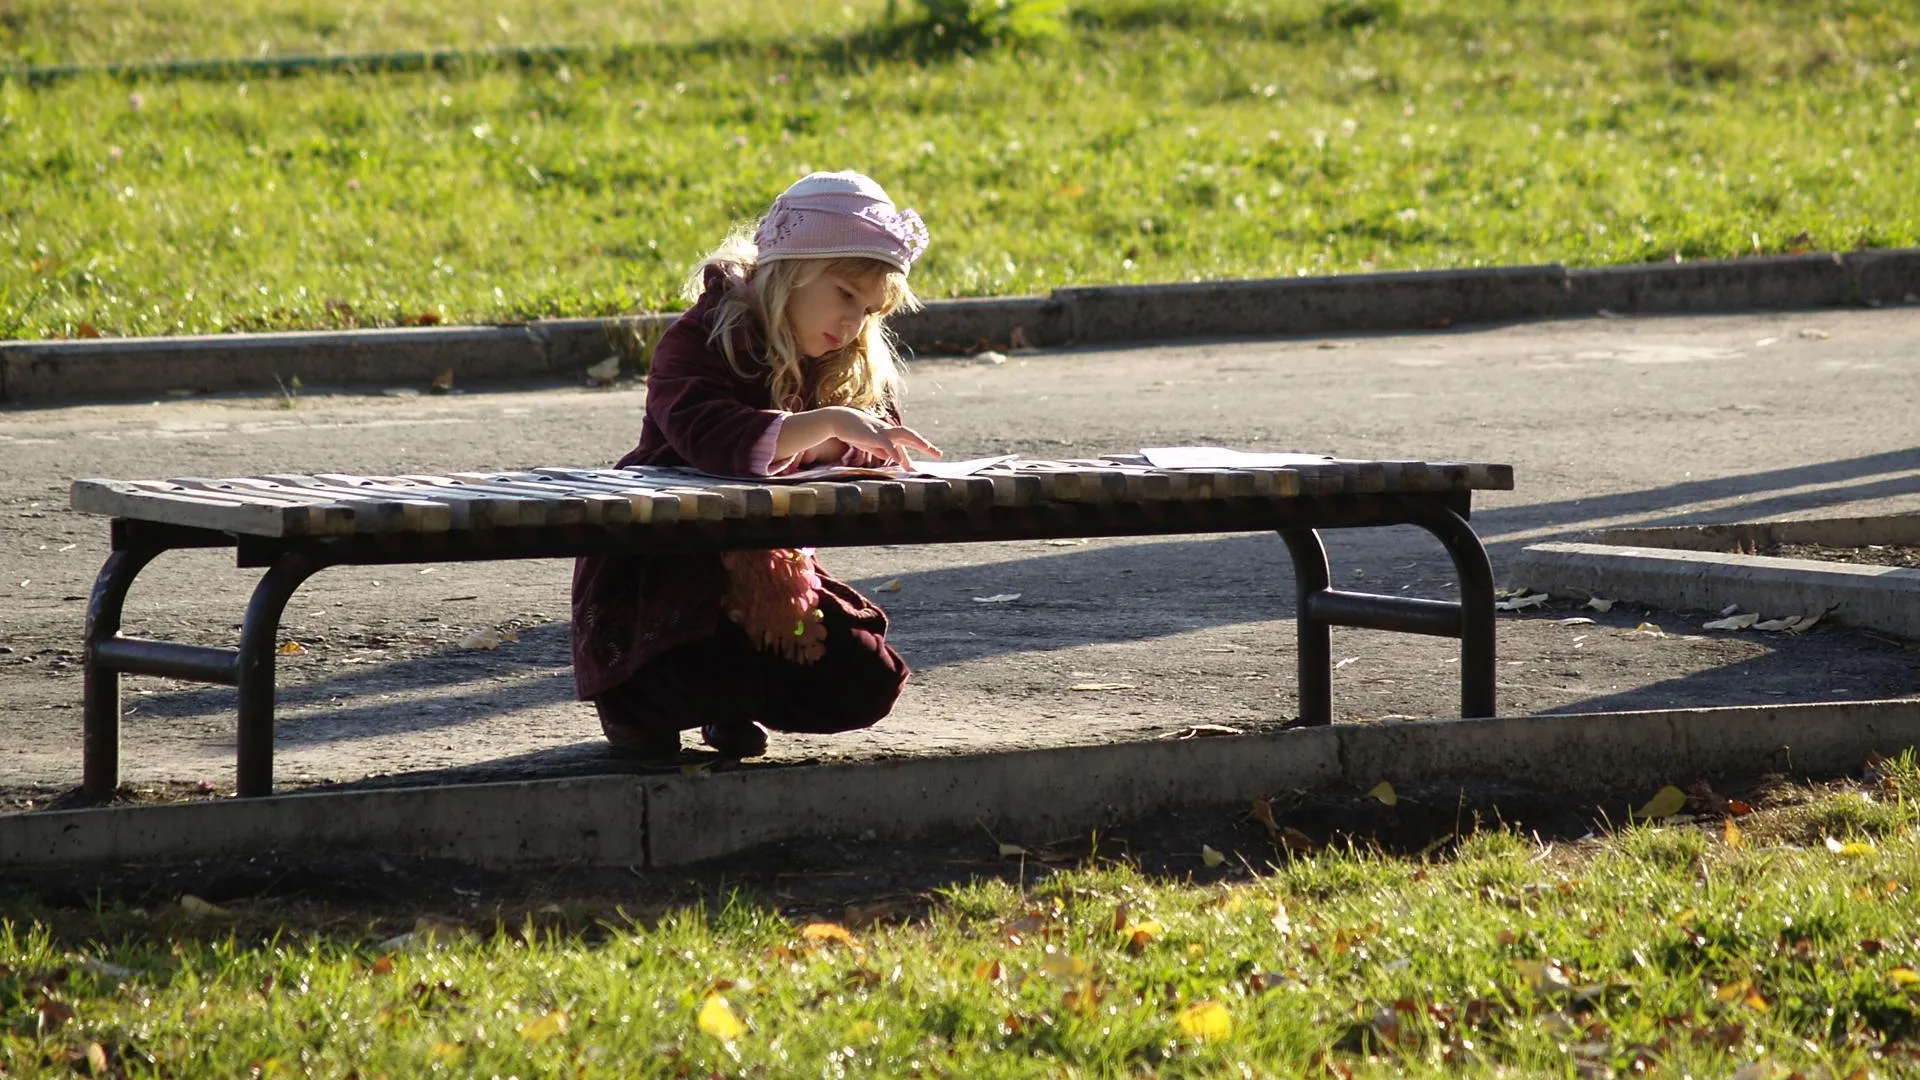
{"x": 837, "y": 253}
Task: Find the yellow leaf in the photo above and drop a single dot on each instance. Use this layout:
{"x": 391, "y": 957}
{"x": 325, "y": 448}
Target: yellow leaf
{"x": 96, "y": 1059}
{"x": 446, "y": 1051}
{"x": 541, "y": 1028}
{"x": 1150, "y": 928}
{"x": 1665, "y": 803}
{"x": 1904, "y": 976}
{"x": 1383, "y": 791}
{"x": 288, "y": 648}
{"x": 717, "y": 1019}
{"x": 1850, "y": 848}
{"x": 826, "y": 933}
{"x": 1205, "y": 1020}
{"x": 1211, "y": 857}
{"x": 1733, "y": 836}
{"x": 1062, "y": 966}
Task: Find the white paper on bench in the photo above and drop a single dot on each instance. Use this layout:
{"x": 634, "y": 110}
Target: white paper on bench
{"x": 939, "y": 470}
{"x": 1219, "y": 457}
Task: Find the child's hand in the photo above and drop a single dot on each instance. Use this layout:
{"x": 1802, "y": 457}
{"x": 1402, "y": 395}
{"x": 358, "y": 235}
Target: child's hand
{"x": 829, "y": 450}
{"x": 888, "y": 442}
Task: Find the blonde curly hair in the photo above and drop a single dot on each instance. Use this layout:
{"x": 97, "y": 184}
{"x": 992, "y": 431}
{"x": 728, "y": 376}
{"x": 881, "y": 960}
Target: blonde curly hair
{"x": 864, "y": 374}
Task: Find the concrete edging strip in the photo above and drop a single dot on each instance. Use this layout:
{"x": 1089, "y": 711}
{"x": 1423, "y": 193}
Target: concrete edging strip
{"x": 1886, "y": 529}
{"x": 43, "y": 372}
{"x": 675, "y": 820}
{"x": 1883, "y": 598}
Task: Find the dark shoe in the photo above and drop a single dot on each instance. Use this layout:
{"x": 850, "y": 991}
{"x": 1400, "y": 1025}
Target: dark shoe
{"x": 646, "y": 741}
{"x": 737, "y": 739}
{"x": 650, "y": 746}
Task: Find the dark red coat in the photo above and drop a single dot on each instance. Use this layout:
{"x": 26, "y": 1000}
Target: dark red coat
{"x": 628, "y": 609}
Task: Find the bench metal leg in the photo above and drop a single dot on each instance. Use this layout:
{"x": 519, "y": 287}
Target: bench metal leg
{"x": 1313, "y": 578}
{"x": 1474, "y": 572}
{"x": 1321, "y": 607}
{"x": 259, "y": 642}
{"x": 100, "y": 709}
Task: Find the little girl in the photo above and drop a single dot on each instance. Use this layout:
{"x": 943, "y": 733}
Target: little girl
{"x": 782, "y": 362}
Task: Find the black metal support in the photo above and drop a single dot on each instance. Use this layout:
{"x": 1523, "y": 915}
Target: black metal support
{"x": 1312, "y": 577}
{"x": 1321, "y": 608}
{"x": 1475, "y": 573}
{"x": 100, "y": 708}
{"x": 258, "y": 647}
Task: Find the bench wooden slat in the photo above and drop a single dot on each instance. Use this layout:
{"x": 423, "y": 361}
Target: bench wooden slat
{"x": 646, "y": 506}
{"x": 387, "y": 511}
{"x": 469, "y": 509}
{"x": 168, "y": 504}
{"x": 317, "y": 516}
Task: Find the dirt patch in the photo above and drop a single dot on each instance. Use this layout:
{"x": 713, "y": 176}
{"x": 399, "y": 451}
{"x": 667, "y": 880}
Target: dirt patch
{"x": 1869, "y": 555}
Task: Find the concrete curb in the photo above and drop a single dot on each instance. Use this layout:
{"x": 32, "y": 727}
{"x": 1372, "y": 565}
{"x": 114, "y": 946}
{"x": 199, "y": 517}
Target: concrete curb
{"x": 668, "y": 821}
{"x": 1902, "y": 529}
{"x": 46, "y": 372}
{"x": 1882, "y": 598}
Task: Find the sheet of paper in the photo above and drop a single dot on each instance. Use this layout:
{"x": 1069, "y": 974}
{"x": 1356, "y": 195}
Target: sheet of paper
{"x": 954, "y": 470}
{"x": 1219, "y": 457}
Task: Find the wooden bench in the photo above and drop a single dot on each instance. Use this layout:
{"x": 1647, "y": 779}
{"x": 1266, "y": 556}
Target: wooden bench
{"x": 295, "y": 525}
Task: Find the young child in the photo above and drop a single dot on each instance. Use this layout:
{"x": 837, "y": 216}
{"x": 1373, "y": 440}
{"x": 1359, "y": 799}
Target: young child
{"x": 782, "y": 362}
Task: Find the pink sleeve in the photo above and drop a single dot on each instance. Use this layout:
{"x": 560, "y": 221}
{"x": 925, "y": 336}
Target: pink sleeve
{"x": 760, "y": 459}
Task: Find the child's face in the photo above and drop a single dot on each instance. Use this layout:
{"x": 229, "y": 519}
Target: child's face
{"x": 828, "y": 311}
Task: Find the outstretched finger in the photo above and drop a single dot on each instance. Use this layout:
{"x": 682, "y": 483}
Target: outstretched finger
{"x": 909, "y": 437}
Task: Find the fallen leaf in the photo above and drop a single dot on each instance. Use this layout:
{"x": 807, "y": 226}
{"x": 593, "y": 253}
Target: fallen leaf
{"x": 289, "y": 648}
{"x": 716, "y": 1019}
{"x": 1210, "y": 857}
{"x": 988, "y": 971}
{"x": 1544, "y": 975}
{"x": 1065, "y": 543}
{"x": 997, "y": 598}
{"x": 1010, "y": 851}
{"x": 193, "y": 905}
{"x": 1343, "y": 662}
{"x": 1774, "y": 626}
{"x": 1521, "y": 603}
{"x": 1647, "y": 628}
{"x": 484, "y": 639}
{"x": 96, "y": 1059}
{"x": 1904, "y": 976}
{"x": 1731, "y": 622}
{"x": 605, "y": 372}
{"x": 891, "y": 586}
{"x": 1384, "y": 793}
{"x": 447, "y": 1052}
{"x": 1730, "y": 609}
{"x": 443, "y": 382}
{"x": 1732, "y": 835}
{"x": 1059, "y": 965}
{"x": 1665, "y": 803}
{"x": 1804, "y": 624}
{"x": 1205, "y": 1020}
{"x": 826, "y": 933}
{"x": 1577, "y": 620}
{"x": 1097, "y": 686}
{"x": 1600, "y": 605}
{"x": 1850, "y": 848}
{"x": 542, "y": 1028}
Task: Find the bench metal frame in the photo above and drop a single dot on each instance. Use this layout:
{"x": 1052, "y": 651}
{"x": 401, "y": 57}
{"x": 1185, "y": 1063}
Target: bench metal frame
{"x": 289, "y": 561}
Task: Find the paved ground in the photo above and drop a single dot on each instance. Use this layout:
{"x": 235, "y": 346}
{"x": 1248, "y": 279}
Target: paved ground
{"x": 1608, "y": 422}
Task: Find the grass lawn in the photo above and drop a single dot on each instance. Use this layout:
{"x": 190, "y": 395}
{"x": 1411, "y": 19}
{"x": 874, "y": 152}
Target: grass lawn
{"x": 1776, "y": 942}
{"x": 1159, "y": 140}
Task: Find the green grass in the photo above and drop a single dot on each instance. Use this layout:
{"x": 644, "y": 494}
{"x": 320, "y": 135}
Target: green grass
{"x": 1684, "y": 949}
{"x": 1162, "y": 141}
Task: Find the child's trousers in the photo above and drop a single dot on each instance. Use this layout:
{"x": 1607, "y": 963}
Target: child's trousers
{"x": 726, "y": 680}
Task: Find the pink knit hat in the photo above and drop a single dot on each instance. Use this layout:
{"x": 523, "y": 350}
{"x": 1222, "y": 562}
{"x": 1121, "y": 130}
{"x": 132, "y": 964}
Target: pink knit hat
{"x": 828, "y": 215}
